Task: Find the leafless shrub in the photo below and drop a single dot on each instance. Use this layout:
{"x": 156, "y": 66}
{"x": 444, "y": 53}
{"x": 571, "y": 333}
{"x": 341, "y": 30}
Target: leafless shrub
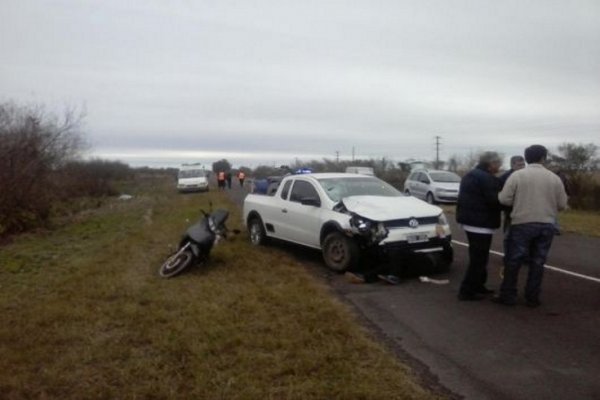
{"x": 94, "y": 178}
{"x": 33, "y": 145}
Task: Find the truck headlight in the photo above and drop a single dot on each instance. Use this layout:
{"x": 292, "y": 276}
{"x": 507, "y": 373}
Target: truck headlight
{"x": 361, "y": 224}
{"x": 442, "y": 220}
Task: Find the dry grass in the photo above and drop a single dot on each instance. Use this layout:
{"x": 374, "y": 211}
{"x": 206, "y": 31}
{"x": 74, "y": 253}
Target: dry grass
{"x": 573, "y": 221}
{"x": 84, "y": 316}
{"x": 581, "y": 222}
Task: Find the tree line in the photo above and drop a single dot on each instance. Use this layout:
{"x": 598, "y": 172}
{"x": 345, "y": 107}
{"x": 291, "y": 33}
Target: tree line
{"x": 579, "y": 162}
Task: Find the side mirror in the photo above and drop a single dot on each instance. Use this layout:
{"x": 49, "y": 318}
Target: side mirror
{"x": 310, "y": 201}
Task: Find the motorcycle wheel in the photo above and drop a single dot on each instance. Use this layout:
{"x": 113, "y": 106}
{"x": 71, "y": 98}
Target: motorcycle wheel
{"x": 176, "y": 263}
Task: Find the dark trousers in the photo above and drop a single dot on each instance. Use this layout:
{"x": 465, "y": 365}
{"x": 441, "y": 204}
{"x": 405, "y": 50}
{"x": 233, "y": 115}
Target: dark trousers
{"x": 526, "y": 243}
{"x": 479, "y": 253}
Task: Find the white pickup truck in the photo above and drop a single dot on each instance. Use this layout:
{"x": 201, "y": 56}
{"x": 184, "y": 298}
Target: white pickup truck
{"x": 350, "y": 218}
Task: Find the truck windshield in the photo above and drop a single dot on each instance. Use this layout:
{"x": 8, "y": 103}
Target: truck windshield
{"x": 338, "y": 188}
{"x": 191, "y": 173}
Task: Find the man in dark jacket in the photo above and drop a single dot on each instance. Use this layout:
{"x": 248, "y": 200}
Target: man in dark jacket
{"x": 478, "y": 211}
{"x": 516, "y": 163}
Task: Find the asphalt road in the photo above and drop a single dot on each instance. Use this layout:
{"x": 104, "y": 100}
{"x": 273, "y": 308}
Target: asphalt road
{"x": 481, "y": 350}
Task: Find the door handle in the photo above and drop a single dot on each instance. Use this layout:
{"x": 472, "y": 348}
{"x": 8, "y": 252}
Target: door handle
{"x": 284, "y": 210}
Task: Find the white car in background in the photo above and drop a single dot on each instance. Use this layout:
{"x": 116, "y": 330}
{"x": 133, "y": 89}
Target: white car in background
{"x": 360, "y": 170}
{"x": 433, "y": 186}
{"x": 192, "y": 178}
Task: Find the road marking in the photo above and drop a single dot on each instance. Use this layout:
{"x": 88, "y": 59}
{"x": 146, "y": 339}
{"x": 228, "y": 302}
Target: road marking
{"x": 550, "y": 267}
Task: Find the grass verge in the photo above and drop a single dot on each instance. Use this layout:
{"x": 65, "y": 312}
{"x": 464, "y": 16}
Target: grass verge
{"x": 83, "y": 315}
{"x": 581, "y": 222}
{"x": 573, "y": 221}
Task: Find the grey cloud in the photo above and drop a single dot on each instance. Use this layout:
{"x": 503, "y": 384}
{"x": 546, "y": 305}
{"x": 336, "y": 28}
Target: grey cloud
{"x": 311, "y": 77}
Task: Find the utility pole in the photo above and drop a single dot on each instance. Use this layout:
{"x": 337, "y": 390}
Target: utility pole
{"x": 353, "y": 153}
{"x": 337, "y": 156}
{"x": 437, "y": 152}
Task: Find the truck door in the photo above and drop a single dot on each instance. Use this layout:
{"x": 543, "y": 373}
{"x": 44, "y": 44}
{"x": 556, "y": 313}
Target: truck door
{"x": 304, "y": 214}
{"x": 276, "y": 218}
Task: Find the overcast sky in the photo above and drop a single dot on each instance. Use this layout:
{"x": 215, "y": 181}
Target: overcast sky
{"x": 267, "y": 81}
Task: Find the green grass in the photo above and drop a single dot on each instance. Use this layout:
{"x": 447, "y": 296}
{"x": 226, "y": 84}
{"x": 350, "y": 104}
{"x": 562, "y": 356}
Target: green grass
{"x": 83, "y": 315}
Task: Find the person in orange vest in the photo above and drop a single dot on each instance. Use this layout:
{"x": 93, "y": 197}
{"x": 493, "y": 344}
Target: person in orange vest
{"x": 241, "y": 177}
{"x": 221, "y": 180}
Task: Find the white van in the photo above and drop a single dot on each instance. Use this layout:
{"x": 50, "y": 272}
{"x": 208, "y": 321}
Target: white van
{"x": 360, "y": 170}
{"x": 192, "y": 178}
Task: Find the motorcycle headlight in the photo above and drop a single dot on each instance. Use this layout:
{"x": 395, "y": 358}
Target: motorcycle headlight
{"x": 211, "y": 225}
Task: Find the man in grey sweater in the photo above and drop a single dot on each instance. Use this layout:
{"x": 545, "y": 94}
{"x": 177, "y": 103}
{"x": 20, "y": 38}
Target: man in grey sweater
{"x": 536, "y": 195}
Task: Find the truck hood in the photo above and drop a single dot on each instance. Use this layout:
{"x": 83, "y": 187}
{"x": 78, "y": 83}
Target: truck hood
{"x": 383, "y": 208}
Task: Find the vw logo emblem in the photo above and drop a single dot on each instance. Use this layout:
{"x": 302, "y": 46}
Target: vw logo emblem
{"x": 413, "y": 223}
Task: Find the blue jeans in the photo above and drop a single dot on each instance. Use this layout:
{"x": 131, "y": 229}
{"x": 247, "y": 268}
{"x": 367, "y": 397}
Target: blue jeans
{"x": 531, "y": 243}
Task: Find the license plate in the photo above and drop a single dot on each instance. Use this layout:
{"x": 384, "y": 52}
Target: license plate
{"x": 418, "y": 238}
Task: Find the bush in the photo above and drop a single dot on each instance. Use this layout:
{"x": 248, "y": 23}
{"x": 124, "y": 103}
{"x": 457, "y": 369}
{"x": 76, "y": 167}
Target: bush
{"x": 39, "y": 167}
{"x": 93, "y": 178}
{"x": 585, "y": 191}
{"x": 33, "y": 146}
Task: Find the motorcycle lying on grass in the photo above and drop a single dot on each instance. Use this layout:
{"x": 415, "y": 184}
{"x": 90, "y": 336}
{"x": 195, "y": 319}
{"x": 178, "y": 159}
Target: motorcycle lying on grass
{"x": 197, "y": 242}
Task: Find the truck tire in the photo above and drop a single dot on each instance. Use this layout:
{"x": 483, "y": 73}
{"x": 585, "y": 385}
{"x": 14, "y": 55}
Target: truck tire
{"x": 340, "y": 252}
{"x": 443, "y": 260}
{"x": 256, "y": 230}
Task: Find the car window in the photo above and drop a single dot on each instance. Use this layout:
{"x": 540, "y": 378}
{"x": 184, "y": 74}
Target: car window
{"x": 303, "y": 189}
{"x": 286, "y": 189}
{"x": 445, "y": 177}
{"x": 413, "y": 176}
{"x": 191, "y": 173}
{"x": 424, "y": 178}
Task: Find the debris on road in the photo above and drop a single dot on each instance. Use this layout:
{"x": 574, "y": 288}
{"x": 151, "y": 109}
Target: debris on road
{"x": 426, "y": 279}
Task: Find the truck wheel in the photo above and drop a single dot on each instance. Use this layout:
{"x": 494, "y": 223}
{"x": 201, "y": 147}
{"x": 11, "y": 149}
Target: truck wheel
{"x": 340, "y": 252}
{"x": 258, "y": 236}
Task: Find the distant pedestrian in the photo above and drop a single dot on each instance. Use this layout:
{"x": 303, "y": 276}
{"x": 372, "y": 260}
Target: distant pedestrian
{"x": 536, "y": 196}
{"x": 516, "y": 163}
{"x": 478, "y": 211}
{"x": 228, "y": 178}
{"x": 221, "y": 180}
{"x": 241, "y": 177}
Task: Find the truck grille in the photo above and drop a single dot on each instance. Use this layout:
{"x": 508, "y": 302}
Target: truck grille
{"x": 404, "y": 223}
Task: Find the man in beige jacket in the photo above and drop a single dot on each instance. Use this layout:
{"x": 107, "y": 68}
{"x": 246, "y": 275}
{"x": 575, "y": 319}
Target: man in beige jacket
{"x": 536, "y": 196}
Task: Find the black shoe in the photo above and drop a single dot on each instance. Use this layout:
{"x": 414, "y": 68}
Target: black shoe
{"x": 391, "y": 279}
{"x": 485, "y": 291}
{"x": 500, "y": 300}
{"x": 533, "y": 303}
{"x": 470, "y": 297}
